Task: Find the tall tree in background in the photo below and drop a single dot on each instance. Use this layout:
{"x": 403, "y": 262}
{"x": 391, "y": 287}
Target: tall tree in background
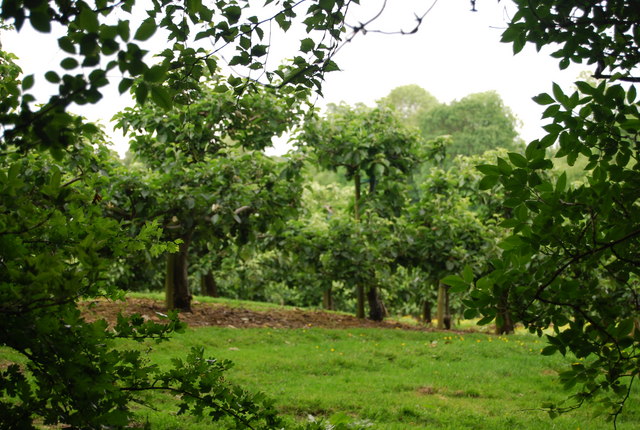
{"x": 205, "y": 190}
{"x": 411, "y": 102}
{"x": 375, "y": 149}
{"x": 476, "y": 123}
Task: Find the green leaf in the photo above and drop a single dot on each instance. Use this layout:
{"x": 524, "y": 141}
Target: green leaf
{"x": 307, "y": 45}
{"x": 52, "y": 77}
{"x": 141, "y": 92}
{"x": 123, "y": 30}
{"x": 486, "y": 320}
{"x": 27, "y": 82}
{"x": 161, "y": 97}
{"x": 124, "y": 85}
{"x": 69, "y": 63}
{"x": 258, "y": 50}
{"x": 212, "y": 65}
{"x": 488, "y": 182}
{"x": 585, "y": 87}
{"x": 488, "y": 169}
{"x": 543, "y": 99}
{"x": 456, "y": 283}
{"x": 155, "y": 73}
{"x": 631, "y": 94}
{"x": 517, "y": 159}
{"x": 505, "y": 168}
{"x": 87, "y": 20}
{"x": 562, "y": 182}
{"x": 624, "y": 328}
{"x": 557, "y": 92}
{"x": 232, "y": 13}
{"x": 549, "y": 350}
{"x": 40, "y": 21}
{"x": 67, "y": 45}
{"x": 467, "y": 273}
{"x": 146, "y": 29}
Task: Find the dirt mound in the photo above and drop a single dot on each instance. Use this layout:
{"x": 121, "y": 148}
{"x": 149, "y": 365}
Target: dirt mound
{"x": 212, "y": 314}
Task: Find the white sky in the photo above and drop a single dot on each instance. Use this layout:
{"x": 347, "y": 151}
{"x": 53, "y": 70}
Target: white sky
{"x": 455, "y": 53}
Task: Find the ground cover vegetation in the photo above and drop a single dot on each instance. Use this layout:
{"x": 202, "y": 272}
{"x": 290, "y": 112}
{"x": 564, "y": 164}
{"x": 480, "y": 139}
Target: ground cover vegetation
{"x": 401, "y": 206}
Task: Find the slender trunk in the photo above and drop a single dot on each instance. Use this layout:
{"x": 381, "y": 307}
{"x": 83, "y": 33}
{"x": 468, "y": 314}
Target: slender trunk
{"x": 360, "y": 301}
{"x": 209, "y": 285}
{"x": 426, "y": 312}
{"x": 327, "y": 299}
{"x": 177, "y": 280}
{"x": 444, "y": 316}
{"x": 356, "y": 202}
{"x": 504, "y": 323}
{"x": 356, "y": 210}
{"x": 377, "y": 310}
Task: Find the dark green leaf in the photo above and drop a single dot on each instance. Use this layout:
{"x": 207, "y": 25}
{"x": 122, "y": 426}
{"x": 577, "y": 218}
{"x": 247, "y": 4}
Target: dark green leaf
{"x": 87, "y": 20}
{"x": 141, "y": 92}
{"x": 27, "y": 82}
{"x": 155, "y": 73}
{"x": 124, "y": 85}
{"x": 40, "y": 21}
{"x": 488, "y": 182}
{"x": 517, "y": 159}
{"x": 161, "y": 97}
{"x": 146, "y": 30}
{"x": 455, "y": 282}
{"x": 67, "y": 45}
{"x": 307, "y": 45}
{"x": 52, "y": 77}
{"x": 543, "y": 99}
{"x": 69, "y": 63}
{"x": 488, "y": 169}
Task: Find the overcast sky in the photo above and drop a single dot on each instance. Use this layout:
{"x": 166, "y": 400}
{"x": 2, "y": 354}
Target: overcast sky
{"x": 456, "y": 52}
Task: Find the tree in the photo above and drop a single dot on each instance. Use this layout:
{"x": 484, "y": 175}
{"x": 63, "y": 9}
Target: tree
{"x": 570, "y": 263}
{"x": 373, "y": 148}
{"x": 476, "y": 123}
{"x": 411, "y": 102}
{"x": 450, "y": 227}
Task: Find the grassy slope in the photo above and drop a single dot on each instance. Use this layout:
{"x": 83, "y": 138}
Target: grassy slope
{"x": 393, "y": 379}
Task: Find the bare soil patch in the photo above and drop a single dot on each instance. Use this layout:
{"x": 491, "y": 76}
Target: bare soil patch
{"x": 213, "y": 314}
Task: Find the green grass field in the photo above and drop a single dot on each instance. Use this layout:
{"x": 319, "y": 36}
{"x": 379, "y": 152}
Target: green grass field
{"x": 390, "y": 379}
{"x": 382, "y": 378}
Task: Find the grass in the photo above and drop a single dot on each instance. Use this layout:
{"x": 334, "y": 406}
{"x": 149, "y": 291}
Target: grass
{"x": 388, "y": 379}
{"x": 391, "y": 379}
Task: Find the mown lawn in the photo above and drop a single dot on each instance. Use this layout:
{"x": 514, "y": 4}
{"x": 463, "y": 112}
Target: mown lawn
{"x": 390, "y": 379}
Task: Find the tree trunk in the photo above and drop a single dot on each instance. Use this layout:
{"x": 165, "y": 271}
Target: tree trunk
{"x": 356, "y": 203}
{"x": 327, "y": 299}
{"x": 444, "y": 314}
{"x": 377, "y": 310}
{"x": 426, "y": 312}
{"x": 504, "y": 323}
{"x": 177, "y": 279}
{"x": 360, "y": 301}
{"x": 209, "y": 285}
